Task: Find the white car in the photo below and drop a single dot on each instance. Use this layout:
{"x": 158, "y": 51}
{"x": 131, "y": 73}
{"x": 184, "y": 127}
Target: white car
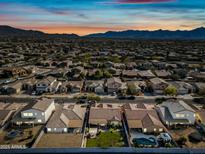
{"x": 165, "y": 137}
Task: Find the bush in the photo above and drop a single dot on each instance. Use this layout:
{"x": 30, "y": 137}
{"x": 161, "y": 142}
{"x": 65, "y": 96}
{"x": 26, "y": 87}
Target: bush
{"x": 182, "y": 140}
{"x": 202, "y": 92}
{"x": 107, "y": 74}
{"x": 132, "y": 89}
{"x": 195, "y": 137}
{"x": 93, "y": 97}
{"x": 171, "y": 90}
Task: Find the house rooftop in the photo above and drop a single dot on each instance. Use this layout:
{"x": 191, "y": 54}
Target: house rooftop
{"x": 41, "y": 104}
{"x": 105, "y": 114}
{"x": 176, "y": 106}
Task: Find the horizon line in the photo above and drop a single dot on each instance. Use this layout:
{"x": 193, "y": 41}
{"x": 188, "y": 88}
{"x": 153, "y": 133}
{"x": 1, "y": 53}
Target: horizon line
{"x": 57, "y": 33}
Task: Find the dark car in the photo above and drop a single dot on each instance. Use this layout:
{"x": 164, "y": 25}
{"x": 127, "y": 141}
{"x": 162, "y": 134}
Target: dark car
{"x": 81, "y": 102}
{"x": 121, "y": 97}
{"x": 131, "y": 97}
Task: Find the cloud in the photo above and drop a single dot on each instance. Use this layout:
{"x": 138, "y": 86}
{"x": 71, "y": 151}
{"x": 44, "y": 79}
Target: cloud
{"x": 142, "y": 1}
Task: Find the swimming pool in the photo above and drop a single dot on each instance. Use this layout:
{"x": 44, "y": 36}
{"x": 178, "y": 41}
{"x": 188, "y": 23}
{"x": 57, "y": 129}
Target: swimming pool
{"x": 145, "y": 141}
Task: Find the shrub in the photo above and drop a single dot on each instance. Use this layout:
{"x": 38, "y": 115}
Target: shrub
{"x": 171, "y": 90}
{"x": 182, "y": 140}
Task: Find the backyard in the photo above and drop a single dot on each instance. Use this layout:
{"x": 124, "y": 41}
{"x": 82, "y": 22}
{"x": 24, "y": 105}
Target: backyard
{"x": 184, "y": 132}
{"x": 60, "y": 141}
{"x": 19, "y": 136}
{"x": 107, "y": 139}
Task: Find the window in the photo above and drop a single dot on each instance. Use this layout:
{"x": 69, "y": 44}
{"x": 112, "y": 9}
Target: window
{"x": 145, "y": 130}
{"x": 48, "y": 129}
{"x": 161, "y": 129}
{"x": 28, "y": 114}
{"x": 65, "y": 129}
{"x": 180, "y": 115}
{"x": 155, "y": 129}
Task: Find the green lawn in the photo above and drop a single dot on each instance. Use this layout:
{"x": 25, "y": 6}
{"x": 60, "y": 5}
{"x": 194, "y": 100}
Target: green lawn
{"x": 107, "y": 139}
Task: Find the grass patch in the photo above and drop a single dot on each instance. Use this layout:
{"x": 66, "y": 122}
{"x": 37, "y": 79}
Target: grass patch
{"x": 107, "y": 139}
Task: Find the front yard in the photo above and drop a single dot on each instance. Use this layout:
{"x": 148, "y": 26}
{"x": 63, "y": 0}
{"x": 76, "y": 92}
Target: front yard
{"x": 177, "y": 134}
{"x": 19, "y": 136}
{"x": 60, "y": 141}
{"x": 107, "y": 139}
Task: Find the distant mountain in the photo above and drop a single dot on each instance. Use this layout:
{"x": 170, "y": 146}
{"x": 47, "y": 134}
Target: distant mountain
{"x": 11, "y": 32}
{"x": 198, "y": 33}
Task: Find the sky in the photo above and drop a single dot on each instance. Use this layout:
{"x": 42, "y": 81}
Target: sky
{"x": 96, "y": 16}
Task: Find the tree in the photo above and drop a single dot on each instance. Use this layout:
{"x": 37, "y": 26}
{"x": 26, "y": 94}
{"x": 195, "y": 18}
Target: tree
{"x": 182, "y": 140}
{"x": 132, "y": 89}
{"x": 93, "y": 97}
{"x": 202, "y": 92}
{"x": 107, "y": 74}
{"x": 98, "y": 74}
{"x": 82, "y": 75}
{"x": 171, "y": 90}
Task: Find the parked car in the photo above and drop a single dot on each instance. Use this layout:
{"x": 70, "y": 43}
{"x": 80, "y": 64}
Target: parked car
{"x": 165, "y": 137}
{"x": 81, "y": 102}
{"x": 131, "y": 97}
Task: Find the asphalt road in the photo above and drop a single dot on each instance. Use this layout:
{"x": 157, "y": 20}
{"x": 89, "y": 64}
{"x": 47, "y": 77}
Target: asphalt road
{"x": 65, "y": 99}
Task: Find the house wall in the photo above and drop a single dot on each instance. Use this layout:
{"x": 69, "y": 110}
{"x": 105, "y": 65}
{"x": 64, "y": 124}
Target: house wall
{"x": 161, "y": 115}
{"x": 153, "y": 129}
{"x": 57, "y": 130}
{"x": 182, "y": 91}
{"x": 159, "y": 88}
{"x": 41, "y": 88}
{"x": 187, "y": 115}
{"x": 76, "y": 90}
{"x": 113, "y": 87}
{"x": 99, "y": 90}
{"x": 39, "y": 116}
{"x": 49, "y": 111}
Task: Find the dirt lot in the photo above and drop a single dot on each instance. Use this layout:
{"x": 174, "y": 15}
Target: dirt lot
{"x": 60, "y": 141}
{"x": 25, "y": 138}
{"x": 176, "y": 134}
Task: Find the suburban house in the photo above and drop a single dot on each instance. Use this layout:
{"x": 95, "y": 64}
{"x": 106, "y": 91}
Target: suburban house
{"x": 158, "y": 64}
{"x": 75, "y": 86}
{"x": 119, "y": 66}
{"x": 183, "y": 87}
{"x": 129, "y": 73}
{"x": 142, "y": 117}
{"x": 102, "y": 115}
{"x": 199, "y": 86}
{"x": 48, "y": 84}
{"x": 174, "y": 112}
{"x": 115, "y": 85}
{"x": 11, "y": 88}
{"x": 96, "y": 86}
{"x": 146, "y": 74}
{"x": 66, "y": 118}
{"x": 162, "y": 74}
{"x": 37, "y": 112}
{"x": 158, "y": 85}
{"x": 29, "y": 85}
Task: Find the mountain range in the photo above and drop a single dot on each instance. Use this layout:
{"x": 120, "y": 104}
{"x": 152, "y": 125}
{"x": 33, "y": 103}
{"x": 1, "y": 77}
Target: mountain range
{"x": 15, "y": 32}
{"x": 198, "y": 33}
